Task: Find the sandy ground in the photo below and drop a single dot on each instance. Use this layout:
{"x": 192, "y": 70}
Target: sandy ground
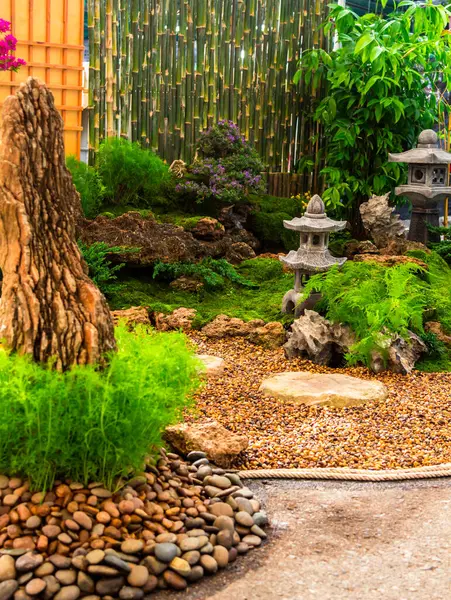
{"x": 344, "y": 541}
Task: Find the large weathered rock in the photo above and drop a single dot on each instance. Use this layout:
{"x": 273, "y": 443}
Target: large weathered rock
{"x": 213, "y": 365}
{"x": 220, "y": 445}
{"x": 148, "y": 241}
{"x": 379, "y": 221}
{"x": 181, "y": 318}
{"x": 355, "y": 247}
{"x": 135, "y": 315}
{"x": 400, "y": 356}
{"x": 270, "y": 335}
{"x": 314, "y": 337}
{"x": 208, "y": 229}
{"x": 331, "y": 389}
{"x": 49, "y": 309}
{"x": 187, "y": 284}
{"x": 238, "y": 252}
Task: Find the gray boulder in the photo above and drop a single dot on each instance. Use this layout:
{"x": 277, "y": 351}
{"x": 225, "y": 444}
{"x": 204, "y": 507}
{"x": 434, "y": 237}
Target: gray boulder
{"x": 379, "y": 221}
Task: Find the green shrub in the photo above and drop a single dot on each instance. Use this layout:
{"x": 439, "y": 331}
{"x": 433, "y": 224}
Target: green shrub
{"x": 131, "y": 175}
{"x": 375, "y": 301}
{"x": 88, "y": 184}
{"x": 211, "y": 272}
{"x": 88, "y": 424}
{"x": 101, "y": 270}
{"x": 443, "y": 248}
{"x": 266, "y": 221}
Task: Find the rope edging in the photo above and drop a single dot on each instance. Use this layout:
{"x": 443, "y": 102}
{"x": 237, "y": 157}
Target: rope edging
{"x": 347, "y": 474}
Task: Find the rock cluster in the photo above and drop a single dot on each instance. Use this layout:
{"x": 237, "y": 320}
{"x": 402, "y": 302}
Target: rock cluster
{"x": 218, "y": 443}
{"x": 167, "y": 527}
{"x": 380, "y": 222}
{"x": 269, "y": 335}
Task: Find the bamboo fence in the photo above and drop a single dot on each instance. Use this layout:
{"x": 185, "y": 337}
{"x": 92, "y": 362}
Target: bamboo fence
{"x": 161, "y": 71}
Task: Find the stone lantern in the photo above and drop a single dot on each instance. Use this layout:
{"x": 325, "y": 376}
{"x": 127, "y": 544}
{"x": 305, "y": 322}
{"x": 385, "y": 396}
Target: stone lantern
{"x": 427, "y": 184}
{"x": 313, "y": 255}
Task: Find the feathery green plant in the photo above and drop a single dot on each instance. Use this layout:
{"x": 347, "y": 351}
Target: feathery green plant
{"x": 101, "y": 270}
{"x": 376, "y": 302}
{"x": 89, "y": 424}
{"x": 88, "y": 184}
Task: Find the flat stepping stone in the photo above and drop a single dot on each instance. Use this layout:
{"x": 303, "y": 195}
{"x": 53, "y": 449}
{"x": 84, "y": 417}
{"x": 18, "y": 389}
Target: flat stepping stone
{"x": 214, "y": 365}
{"x": 317, "y": 389}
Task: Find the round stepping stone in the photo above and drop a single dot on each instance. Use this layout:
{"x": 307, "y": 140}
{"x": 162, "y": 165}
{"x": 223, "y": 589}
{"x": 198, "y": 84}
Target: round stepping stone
{"x": 316, "y": 389}
{"x": 214, "y": 365}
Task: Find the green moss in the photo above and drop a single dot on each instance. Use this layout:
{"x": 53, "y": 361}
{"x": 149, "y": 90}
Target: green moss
{"x": 113, "y": 211}
{"x": 435, "y": 365}
{"x": 266, "y": 221}
{"x": 232, "y": 300}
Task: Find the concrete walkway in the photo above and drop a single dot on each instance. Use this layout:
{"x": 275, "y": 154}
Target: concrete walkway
{"x": 344, "y": 541}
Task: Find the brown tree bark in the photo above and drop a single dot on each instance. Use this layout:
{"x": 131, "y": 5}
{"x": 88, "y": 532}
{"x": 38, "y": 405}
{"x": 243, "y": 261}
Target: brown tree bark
{"x": 49, "y": 308}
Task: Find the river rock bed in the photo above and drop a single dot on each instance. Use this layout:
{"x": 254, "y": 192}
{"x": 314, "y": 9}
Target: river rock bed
{"x": 166, "y": 528}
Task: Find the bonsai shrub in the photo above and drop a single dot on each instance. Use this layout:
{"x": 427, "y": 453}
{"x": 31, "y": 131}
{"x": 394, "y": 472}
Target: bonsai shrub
{"x": 89, "y": 424}
{"x": 384, "y": 83}
{"x": 131, "y": 175}
{"x": 228, "y": 169}
{"x": 88, "y": 184}
{"x": 376, "y": 302}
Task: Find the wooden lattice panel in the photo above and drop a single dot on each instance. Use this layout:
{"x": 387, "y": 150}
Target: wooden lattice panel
{"x": 50, "y": 39}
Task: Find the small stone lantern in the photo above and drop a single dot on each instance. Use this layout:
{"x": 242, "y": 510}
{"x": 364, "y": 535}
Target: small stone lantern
{"x": 313, "y": 255}
{"x": 427, "y": 184}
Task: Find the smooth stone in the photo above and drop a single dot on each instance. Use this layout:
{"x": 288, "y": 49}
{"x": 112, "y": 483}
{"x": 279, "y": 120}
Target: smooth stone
{"x": 95, "y": 557}
{"x": 117, "y": 563}
{"x": 131, "y": 593}
{"x": 51, "y": 531}
{"x": 252, "y": 540}
{"x": 29, "y": 562}
{"x": 221, "y": 509}
{"x": 7, "y": 568}
{"x": 225, "y": 538}
{"x": 33, "y": 522}
{"x": 102, "y": 570}
{"x": 10, "y": 500}
{"x": 83, "y": 520}
{"x": 4, "y": 482}
{"x": 174, "y": 581}
{"x": 127, "y": 557}
{"x": 242, "y": 548}
{"x": 138, "y": 576}
{"x": 244, "y": 519}
{"x": 60, "y": 562}
{"x": 260, "y": 518}
{"x": 101, "y": 493}
{"x": 8, "y": 588}
{"x": 244, "y": 505}
{"x": 202, "y": 462}
{"x": 190, "y": 543}
{"x": 195, "y": 455}
{"x": 196, "y": 574}
{"x": 131, "y": 546}
{"x": 204, "y": 471}
{"x": 180, "y": 566}
{"x": 13, "y": 551}
{"x": 169, "y": 538}
{"x": 212, "y": 490}
{"x": 154, "y": 565}
{"x": 192, "y": 557}
{"x": 255, "y": 529}
{"x": 35, "y": 587}
{"x": 80, "y": 563}
{"x": 221, "y": 556}
{"x": 224, "y": 522}
{"x": 235, "y": 479}
{"x": 323, "y": 389}
{"x": 218, "y": 481}
{"x": 85, "y": 583}
{"x": 233, "y": 553}
{"x": 52, "y": 586}
{"x": 166, "y": 552}
{"x": 45, "y": 569}
{"x": 25, "y": 578}
{"x": 243, "y": 493}
{"x": 207, "y": 549}
{"x": 209, "y": 564}
{"x": 66, "y": 576}
{"x": 109, "y": 587}
{"x": 69, "y": 592}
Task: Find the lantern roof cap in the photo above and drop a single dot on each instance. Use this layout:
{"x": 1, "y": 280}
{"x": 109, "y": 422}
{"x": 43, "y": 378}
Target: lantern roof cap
{"x": 427, "y": 152}
{"x": 314, "y": 219}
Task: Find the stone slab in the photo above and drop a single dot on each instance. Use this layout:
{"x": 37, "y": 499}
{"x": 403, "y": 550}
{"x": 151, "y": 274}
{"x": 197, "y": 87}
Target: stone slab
{"x": 214, "y": 365}
{"x": 318, "y": 389}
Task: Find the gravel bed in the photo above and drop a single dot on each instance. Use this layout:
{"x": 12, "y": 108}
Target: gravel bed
{"x": 411, "y": 428}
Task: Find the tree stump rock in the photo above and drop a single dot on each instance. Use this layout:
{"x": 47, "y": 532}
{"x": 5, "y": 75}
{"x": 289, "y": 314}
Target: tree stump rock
{"x": 331, "y": 389}
{"x": 49, "y": 308}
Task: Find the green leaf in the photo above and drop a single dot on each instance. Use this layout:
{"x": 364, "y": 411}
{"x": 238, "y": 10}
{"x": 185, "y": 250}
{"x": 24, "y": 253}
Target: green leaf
{"x": 363, "y": 42}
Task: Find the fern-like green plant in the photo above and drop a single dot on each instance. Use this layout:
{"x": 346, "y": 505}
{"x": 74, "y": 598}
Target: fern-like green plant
{"x": 374, "y": 301}
{"x": 101, "y": 270}
{"x": 212, "y": 272}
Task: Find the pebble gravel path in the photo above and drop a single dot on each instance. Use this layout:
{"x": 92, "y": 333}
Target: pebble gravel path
{"x": 411, "y": 428}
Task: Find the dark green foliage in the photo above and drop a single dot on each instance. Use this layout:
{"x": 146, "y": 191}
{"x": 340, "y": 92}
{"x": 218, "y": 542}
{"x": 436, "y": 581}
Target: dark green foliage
{"x": 376, "y": 103}
{"x": 338, "y": 241}
{"x": 102, "y": 272}
{"x": 266, "y": 221}
{"x": 375, "y": 301}
{"x": 443, "y": 248}
{"x": 437, "y": 350}
{"x": 212, "y": 273}
{"x": 130, "y": 174}
{"x": 233, "y": 300}
{"x": 88, "y": 184}
{"x": 88, "y": 424}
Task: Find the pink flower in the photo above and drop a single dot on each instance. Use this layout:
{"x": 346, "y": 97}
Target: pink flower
{"x": 4, "y": 26}
{"x": 8, "y": 62}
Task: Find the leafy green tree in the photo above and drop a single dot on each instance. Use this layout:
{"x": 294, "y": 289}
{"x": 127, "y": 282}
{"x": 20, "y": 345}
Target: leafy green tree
{"x": 385, "y": 82}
